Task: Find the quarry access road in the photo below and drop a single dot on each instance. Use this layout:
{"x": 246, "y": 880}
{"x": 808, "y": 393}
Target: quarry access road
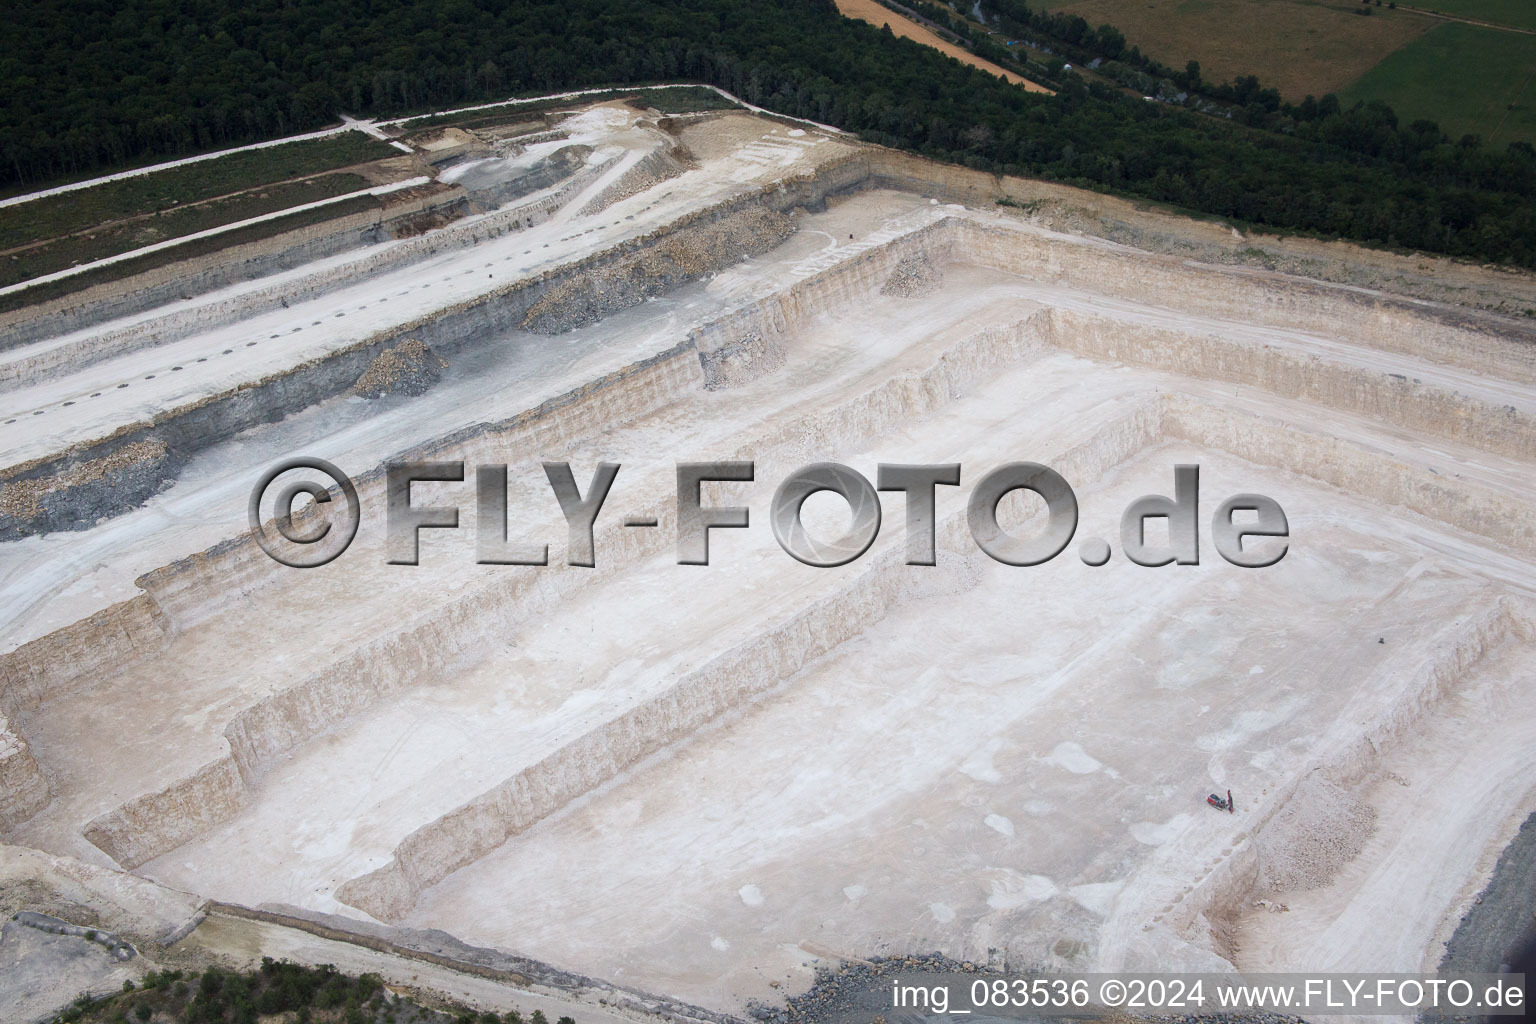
{"x": 76, "y": 186}
{"x": 195, "y": 514}
{"x": 171, "y": 243}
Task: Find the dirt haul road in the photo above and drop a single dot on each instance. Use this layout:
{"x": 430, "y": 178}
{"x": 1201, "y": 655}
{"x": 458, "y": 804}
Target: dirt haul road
{"x": 906, "y": 28}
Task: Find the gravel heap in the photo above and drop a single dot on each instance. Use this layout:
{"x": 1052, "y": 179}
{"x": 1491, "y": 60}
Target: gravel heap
{"x": 86, "y": 490}
{"x": 410, "y": 368}
{"x": 914, "y": 275}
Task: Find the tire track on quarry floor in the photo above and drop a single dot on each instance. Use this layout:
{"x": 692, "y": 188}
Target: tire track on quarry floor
{"x": 697, "y": 197}
{"x": 1467, "y": 21}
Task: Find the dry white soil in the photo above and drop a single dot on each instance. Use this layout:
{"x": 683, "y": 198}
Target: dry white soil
{"x": 699, "y": 781}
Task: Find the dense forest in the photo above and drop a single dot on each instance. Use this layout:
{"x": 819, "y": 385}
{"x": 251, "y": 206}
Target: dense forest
{"x": 92, "y": 84}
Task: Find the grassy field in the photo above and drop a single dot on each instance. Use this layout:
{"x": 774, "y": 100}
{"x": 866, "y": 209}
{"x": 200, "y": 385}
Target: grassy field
{"x": 57, "y": 232}
{"x": 1296, "y": 46}
{"x": 1472, "y": 80}
{"x": 1519, "y": 13}
{"x": 179, "y": 186}
{"x": 683, "y": 101}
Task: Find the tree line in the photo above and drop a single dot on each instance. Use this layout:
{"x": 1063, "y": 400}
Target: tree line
{"x": 92, "y": 84}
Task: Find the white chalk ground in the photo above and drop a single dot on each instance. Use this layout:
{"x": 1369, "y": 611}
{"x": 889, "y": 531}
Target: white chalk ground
{"x": 48, "y": 582}
{"x": 939, "y": 783}
{"x": 1433, "y": 793}
{"x": 360, "y": 593}
{"x": 949, "y": 836}
{"x": 997, "y": 761}
{"x": 91, "y": 403}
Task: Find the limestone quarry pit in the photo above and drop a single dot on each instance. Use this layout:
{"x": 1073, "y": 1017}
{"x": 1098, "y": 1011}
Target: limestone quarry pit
{"x": 705, "y": 783}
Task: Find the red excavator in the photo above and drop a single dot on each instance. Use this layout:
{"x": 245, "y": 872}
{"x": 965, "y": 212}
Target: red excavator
{"x": 1217, "y": 802}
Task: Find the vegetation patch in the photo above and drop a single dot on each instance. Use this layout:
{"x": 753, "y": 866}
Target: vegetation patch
{"x": 682, "y": 101}
{"x": 278, "y": 992}
{"x": 1235, "y": 149}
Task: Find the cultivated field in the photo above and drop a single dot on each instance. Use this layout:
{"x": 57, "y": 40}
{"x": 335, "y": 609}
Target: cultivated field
{"x": 1516, "y": 13}
{"x": 1468, "y": 79}
{"x": 1300, "y": 47}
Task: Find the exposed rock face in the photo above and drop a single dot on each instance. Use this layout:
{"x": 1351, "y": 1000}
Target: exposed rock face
{"x": 656, "y": 168}
{"x": 74, "y": 497}
{"x": 675, "y": 260}
{"x": 410, "y": 368}
{"x": 23, "y": 790}
{"x": 915, "y": 275}
{"x": 568, "y": 297}
{"x": 149, "y": 825}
